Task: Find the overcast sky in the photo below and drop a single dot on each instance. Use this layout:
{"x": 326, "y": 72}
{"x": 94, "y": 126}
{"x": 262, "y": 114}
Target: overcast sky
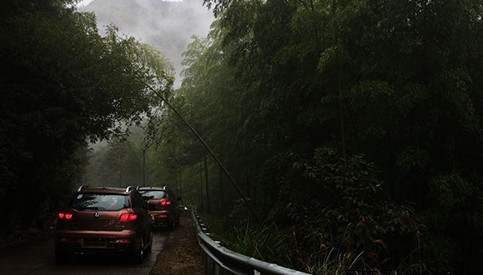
{"x": 84, "y": 3}
{"x": 167, "y": 27}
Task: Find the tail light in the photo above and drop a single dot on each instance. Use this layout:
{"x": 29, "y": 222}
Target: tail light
{"x": 119, "y": 241}
{"x": 65, "y": 215}
{"x": 165, "y": 202}
{"x": 68, "y": 240}
{"x": 128, "y": 217}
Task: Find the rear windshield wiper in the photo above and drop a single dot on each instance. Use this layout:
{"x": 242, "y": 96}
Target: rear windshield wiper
{"x": 88, "y": 208}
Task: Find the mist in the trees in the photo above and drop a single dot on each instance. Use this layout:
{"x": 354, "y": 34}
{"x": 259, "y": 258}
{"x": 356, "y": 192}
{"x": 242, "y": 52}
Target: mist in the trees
{"x": 165, "y": 25}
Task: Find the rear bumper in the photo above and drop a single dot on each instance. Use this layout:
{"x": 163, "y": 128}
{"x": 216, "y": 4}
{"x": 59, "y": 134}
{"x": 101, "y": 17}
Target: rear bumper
{"x": 162, "y": 218}
{"x": 95, "y": 242}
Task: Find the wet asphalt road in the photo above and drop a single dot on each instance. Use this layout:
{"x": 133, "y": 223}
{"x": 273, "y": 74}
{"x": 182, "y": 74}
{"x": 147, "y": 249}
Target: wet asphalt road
{"x": 38, "y": 258}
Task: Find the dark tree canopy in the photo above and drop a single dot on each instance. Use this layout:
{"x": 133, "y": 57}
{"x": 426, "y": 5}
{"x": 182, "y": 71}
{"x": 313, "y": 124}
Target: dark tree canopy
{"x": 354, "y": 127}
{"x": 310, "y": 103}
{"x": 61, "y": 85}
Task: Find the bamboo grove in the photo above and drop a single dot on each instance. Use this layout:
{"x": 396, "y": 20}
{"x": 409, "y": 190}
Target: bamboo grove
{"x": 353, "y": 127}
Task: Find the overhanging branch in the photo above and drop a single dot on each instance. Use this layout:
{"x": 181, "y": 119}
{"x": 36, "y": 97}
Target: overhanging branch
{"x": 218, "y": 161}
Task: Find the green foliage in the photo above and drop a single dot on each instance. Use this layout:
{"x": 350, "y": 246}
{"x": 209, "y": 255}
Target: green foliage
{"x": 341, "y": 211}
{"x": 448, "y": 225}
{"x": 261, "y": 243}
{"x": 62, "y": 84}
{"x": 393, "y": 85}
{"x": 332, "y": 217}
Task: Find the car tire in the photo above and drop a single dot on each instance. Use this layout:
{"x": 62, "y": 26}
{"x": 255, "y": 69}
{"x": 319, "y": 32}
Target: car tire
{"x": 172, "y": 224}
{"x": 61, "y": 257}
{"x": 150, "y": 246}
{"x": 138, "y": 255}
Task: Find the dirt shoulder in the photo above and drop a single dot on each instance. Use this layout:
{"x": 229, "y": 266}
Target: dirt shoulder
{"x": 181, "y": 253}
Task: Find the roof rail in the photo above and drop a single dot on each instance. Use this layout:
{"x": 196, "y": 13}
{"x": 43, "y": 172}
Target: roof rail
{"x": 81, "y": 187}
{"x": 129, "y": 188}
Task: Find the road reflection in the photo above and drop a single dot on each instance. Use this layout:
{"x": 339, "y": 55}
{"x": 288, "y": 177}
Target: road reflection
{"x": 38, "y": 259}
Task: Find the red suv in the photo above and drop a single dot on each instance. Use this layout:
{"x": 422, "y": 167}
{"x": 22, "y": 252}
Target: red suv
{"x": 162, "y": 204}
{"x": 104, "y": 219}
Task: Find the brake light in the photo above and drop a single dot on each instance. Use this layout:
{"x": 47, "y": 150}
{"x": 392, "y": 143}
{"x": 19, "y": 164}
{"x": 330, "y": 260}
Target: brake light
{"x": 65, "y": 215}
{"x": 128, "y": 217}
{"x": 66, "y": 240}
{"x": 165, "y": 202}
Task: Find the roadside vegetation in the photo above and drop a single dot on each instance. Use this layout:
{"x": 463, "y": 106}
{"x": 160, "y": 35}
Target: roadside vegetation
{"x": 352, "y": 128}
{"x": 63, "y": 85}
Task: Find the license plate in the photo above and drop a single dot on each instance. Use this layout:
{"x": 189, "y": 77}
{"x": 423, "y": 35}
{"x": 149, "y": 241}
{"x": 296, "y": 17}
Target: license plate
{"x": 96, "y": 242}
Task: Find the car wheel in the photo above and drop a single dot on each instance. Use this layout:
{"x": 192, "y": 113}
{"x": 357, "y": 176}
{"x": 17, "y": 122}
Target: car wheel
{"x": 172, "y": 224}
{"x": 61, "y": 256}
{"x": 150, "y": 246}
{"x": 138, "y": 255}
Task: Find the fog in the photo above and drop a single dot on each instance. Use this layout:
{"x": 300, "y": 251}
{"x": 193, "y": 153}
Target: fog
{"x": 166, "y": 25}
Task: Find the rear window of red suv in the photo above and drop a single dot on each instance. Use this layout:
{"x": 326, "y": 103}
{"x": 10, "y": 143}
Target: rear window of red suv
{"x": 106, "y": 202}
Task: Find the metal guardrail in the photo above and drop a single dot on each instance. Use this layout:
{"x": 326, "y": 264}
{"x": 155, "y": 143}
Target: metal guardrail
{"x": 219, "y": 260}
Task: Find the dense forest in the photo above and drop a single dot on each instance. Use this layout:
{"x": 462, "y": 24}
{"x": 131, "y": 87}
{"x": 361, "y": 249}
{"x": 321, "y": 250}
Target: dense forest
{"x": 352, "y": 128}
{"x": 63, "y": 85}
